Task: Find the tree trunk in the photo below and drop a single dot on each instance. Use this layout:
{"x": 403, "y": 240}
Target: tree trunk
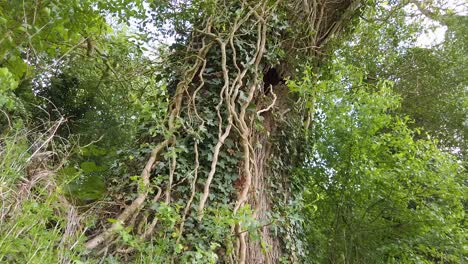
{"x": 228, "y": 73}
{"x": 271, "y": 184}
{"x": 271, "y": 146}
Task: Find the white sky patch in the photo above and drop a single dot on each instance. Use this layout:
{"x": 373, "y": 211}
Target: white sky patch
{"x": 433, "y": 36}
{"x": 434, "y": 32}
{"x": 150, "y": 47}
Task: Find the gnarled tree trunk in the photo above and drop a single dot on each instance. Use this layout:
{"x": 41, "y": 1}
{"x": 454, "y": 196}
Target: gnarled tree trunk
{"x": 228, "y": 73}
{"x": 277, "y": 122}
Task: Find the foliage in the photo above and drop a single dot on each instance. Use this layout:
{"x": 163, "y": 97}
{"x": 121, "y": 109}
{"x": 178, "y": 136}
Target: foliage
{"x": 8, "y": 84}
{"x": 259, "y": 133}
{"x": 35, "y": 32}
{"x": 434, "y": 77}
{"x": 35, "y": 226}
{"x": 375, "y": 194}
{"x": 430, "y": 80}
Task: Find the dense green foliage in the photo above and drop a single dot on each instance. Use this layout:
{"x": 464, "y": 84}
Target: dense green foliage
{"x": 361, "y": 142}
{"x": 435, "y": 77}
{"x": 374, "y": 193}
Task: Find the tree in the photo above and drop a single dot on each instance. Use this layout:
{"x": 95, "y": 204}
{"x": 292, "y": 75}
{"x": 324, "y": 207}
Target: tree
{"x": 433, "y": 77}
{"x": 36, "y": 38}
{"x": 226, "y": 109}
{"x": 429, "y": 79}
{"x": 375, "y": 194}
{"x": 204, "y": 160}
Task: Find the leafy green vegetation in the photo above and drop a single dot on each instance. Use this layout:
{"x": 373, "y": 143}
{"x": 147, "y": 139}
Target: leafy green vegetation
{"x": 232, "y": 132}
{"x": 374, "y": 193}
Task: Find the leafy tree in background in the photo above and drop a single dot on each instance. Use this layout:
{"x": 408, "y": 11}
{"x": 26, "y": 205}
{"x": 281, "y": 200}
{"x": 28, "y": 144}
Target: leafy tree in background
{"x": 431, "y": 81}
{"x": 375, "y": 194}
{"x": 433, "y": 85}
{"x": 36, "y": 36}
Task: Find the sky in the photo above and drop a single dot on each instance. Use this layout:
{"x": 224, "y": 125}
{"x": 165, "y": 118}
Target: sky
{"x": 435, "y": 31}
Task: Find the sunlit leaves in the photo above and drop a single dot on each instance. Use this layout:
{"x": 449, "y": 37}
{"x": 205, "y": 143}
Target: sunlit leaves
{"x": 7, "y": 85}
{"x": 377, "y": 191}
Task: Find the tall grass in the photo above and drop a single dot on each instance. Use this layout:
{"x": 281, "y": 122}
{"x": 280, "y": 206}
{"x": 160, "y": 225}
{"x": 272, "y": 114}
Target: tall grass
{"x": 37, "y": 224}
